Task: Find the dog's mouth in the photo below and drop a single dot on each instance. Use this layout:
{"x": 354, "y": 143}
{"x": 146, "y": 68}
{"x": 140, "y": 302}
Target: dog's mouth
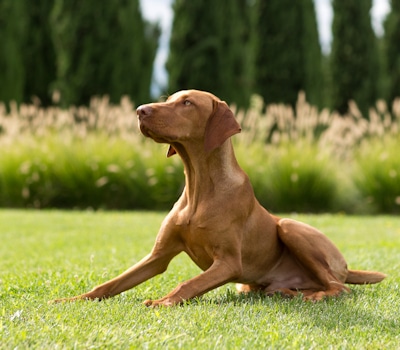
{"x": 145, "y": 131}
{"x": 150, "y": 134}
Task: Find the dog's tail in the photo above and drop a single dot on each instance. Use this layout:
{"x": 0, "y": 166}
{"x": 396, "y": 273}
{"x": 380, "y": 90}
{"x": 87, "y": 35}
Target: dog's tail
{"x": 364, "y": 277}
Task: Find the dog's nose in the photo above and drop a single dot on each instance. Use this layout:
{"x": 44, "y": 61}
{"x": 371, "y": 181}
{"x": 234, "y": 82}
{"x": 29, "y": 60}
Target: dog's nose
{"x": 144, "y": 111}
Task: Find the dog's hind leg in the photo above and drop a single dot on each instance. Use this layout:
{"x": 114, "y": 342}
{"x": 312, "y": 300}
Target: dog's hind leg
{"x": 318, "y": 256}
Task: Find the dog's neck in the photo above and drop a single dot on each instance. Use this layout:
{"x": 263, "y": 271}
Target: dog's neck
{"x": 212, "y": 173}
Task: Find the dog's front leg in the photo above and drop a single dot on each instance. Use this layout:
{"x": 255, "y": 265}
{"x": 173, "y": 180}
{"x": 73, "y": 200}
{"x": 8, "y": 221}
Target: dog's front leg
{"x": 153, "y": 264}
{"x": 166, "y": 247}
{"x": 219, "y": 273}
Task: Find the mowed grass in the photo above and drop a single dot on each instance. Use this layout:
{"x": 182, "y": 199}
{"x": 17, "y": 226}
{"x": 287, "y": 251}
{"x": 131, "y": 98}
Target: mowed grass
{"x": 50, "y": 254}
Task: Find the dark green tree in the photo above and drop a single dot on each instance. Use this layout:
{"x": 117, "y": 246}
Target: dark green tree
{"x": 210, "y": 48}
{"x": 354, "y": 57}
{"x": 13, "y": 33}
{"x": 39, "y": 56}
{"x": 392, "y": 50}
{"x": 102, "y": 48}
{"x": 288, "y": 52}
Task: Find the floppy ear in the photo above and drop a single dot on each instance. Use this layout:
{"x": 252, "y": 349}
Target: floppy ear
{"x": 171, "y": 151}
{"x": 220, "y": 126}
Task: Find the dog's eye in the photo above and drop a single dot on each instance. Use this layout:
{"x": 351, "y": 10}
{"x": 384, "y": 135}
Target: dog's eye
{"x": 187, "y": 103}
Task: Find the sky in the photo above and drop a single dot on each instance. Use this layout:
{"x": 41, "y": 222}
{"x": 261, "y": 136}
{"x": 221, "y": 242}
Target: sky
{"x": 160, "y": 11}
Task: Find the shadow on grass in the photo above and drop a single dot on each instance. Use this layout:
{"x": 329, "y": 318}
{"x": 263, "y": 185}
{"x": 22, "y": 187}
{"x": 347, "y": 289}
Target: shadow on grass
{"x": 357, "y": 310}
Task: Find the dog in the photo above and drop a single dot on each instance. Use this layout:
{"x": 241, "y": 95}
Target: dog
{"x": 220, "y": 224}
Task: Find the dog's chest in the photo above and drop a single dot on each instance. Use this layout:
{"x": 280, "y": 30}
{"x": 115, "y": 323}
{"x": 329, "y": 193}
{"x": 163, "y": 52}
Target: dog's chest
{"x": 196, "y": 218}
{"x": 199, "y": 242}
{"x": 199, "y": 255}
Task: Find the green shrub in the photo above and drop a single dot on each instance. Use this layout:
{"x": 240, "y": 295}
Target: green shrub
{"x": 296, "y": 178}
{"x": 378, "y": 174}
{"x": 97, "y": 172}
{"x": 111, "y": 173}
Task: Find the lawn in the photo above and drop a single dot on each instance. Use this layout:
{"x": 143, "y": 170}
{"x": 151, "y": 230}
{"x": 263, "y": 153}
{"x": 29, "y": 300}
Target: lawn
{"x": 50, "y": 254}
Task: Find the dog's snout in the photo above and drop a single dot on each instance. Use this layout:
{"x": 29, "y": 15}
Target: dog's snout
{"x": 144, "y": 111}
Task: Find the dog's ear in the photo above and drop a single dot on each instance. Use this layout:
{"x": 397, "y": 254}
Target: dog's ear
{"x": 171, "y": 151}
{"x": 220, "y": 126}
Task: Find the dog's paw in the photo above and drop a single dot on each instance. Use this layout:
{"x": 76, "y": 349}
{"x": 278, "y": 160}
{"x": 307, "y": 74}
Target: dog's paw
{"x": 283, "y": 293}
{"x": 78, "y": 297}
{"x": 54, "y": 301}
{"x": 161, "y": 302}
{"x": 148, "y": 302}
{"x": 248, "y": 288}
{"x": 333, "y": 292}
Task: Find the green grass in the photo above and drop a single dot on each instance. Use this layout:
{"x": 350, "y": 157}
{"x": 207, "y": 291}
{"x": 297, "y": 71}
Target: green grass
{"x": 50, "y": 254}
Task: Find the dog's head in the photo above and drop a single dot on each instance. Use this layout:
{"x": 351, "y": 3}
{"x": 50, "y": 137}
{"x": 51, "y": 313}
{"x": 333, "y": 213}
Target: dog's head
{"x": 188, "y": 116}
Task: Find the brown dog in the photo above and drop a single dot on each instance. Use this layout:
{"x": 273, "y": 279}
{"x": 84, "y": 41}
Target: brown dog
{"x": 219, "y": 223}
